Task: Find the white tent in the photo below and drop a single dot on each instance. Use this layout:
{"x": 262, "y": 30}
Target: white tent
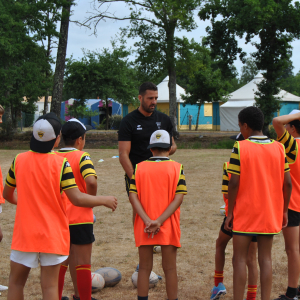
{"x": 244, "y": 97}
{"x": 163, "y": 92}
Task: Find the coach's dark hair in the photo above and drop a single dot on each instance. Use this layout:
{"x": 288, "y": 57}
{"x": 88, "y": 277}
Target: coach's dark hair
{"x": 253, "y": 116}
{"x": 296, "y": 123}
{"x": 69, "y": 142}
{"x": 147, "y": 86}
{"x": 160, "y": 149}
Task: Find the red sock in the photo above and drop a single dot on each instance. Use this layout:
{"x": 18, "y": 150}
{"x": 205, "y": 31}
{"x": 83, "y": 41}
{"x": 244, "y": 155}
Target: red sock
{"x": 84, "y": 281}
{"x": 251, "y": 293}
{"x": 61, "y": 279}
{"x": 218, "y": 277}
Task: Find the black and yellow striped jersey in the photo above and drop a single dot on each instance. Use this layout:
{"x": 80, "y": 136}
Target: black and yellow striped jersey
{"x": 225, "y": 179}
{"x": 290, "y": 145}
{"x": 234, "y": 163}
{"x": 86, "y": 165}
{"x": 181, "y": 186}
{"x": 67, "y": 178}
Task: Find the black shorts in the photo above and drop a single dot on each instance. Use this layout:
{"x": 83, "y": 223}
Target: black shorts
{"x": 81, "y": 234}
{"x": 293, "y": 218}
{"x": 127, "y": 184}
{"x": 254, "y": 238}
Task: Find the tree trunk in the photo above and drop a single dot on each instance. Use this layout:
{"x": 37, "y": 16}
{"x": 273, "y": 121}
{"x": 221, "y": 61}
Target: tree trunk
{"x": 170, "y": 57}
{"x": 106, "y": 114}
{"x": 61, "y": 60}
{"x": 47, "y": 74}
{"x": 198, "y": 114}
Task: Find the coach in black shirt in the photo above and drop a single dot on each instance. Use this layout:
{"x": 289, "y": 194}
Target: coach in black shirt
{"x": 137, "y": 127}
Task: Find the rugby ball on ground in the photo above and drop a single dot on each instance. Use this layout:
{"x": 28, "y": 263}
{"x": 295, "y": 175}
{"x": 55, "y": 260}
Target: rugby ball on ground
{"x": 111, "y": 276}
{"x": 153, "y": 279}
{"x": 157, "y": 249}
{"x": 222, "y": 210}
{"x": 97, "y": 282}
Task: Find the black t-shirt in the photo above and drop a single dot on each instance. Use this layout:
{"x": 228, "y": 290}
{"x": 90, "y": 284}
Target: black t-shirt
{"x": 137, "y": 128}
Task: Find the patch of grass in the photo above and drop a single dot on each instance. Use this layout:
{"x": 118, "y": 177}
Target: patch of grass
{"x": 225, "y": 144}
{"x": 107, "y": 147}
{"x": 191, "y": 145}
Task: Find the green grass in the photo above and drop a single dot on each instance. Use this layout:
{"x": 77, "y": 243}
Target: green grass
{"x": 225, "y": 144}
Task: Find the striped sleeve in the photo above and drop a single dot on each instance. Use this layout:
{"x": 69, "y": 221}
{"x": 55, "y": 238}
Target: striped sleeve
{"x": 286, "y": 166}
{"x": 67, "y": 178}
{"x": 234, "y": 163}
{"x": 86, "y": 166}
{"x": 132, "y": 188}
{"x": 290, "y": 145}
{"x": 181, "y": 186}
{"x": 225, "y": 179}
{"x": 11, "y": 178}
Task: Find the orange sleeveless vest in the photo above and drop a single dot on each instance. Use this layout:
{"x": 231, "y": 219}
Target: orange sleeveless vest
{"x": 156, "y": 184}
{"x": 1, "y": 188}
{"x": 75, "y": 214}
{"x": 41, "y": 224}
{"x": 259, "y": 202}
{"x": 295, "y": 176}
{"x": 226, "y": 164}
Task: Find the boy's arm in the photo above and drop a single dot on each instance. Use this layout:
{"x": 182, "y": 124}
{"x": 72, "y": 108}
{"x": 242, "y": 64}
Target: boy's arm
{"x": 138, "y": 208}
{"x": 287, "y": 190}
{"x": 91, "y": 185}
{"x": 233, "y": 188}
{"x": 10, "y": 195}
{"x": 84, "y": 200}
{"x": 88, "y": 173}
{"x": 279, "y": 122}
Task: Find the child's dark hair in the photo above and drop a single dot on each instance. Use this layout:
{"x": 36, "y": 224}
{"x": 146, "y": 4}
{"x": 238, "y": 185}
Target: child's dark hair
{"x": 69, "y": 142}
{"x": 253, "y": 116}
{"x": 147, "y": 86}
{"x": 160, "y": 149}
{"x": 296, "y": 123}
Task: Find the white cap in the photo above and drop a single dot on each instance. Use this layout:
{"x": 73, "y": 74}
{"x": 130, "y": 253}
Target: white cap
{"x": 294, "y": 111}
{"x": 161, "y": 139}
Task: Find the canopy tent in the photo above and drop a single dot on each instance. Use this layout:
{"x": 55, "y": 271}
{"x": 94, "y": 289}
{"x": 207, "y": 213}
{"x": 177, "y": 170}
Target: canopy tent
{"x": 163, "y": 92}
{"x": 244, "y": 97}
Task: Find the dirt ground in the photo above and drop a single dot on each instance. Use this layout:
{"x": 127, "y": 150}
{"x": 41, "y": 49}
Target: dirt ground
{"x": 115, "y": 247}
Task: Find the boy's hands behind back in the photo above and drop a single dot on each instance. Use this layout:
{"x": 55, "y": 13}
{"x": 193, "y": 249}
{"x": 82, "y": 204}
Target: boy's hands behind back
{"x": 153, "y": 226}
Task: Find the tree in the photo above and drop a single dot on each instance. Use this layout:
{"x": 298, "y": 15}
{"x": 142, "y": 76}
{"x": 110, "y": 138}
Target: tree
{"x": 249, "y": 70}
{"x": 105, "y": 74}
{"x": 275, "y": 23}
{"x": 155, "y": 23}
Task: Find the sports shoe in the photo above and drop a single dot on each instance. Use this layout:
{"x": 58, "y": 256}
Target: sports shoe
{"x": 218, "y": 291}
{"x": 77, "y": 298}
{"x": 284, "y": 297}
{"x": 3, "y": 288}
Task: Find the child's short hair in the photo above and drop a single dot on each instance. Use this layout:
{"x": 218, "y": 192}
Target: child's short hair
{"x": 69, "y": 142}
{"x": 1, "y": 110}
{"x": 296, "y": 123}
{"x": 160, "y": 149}
{"x": 253, "y": 117}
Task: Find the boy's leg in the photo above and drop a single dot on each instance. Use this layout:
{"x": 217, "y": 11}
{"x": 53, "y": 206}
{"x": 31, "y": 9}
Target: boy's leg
{"x": 49, "y": 282}
{"x": 291, "y": 239}
{"x": 17, "y": 279}
{"x": 264, "y": 244}
{"x": 83, "y": 255}
{"x": 72, "y": 268}
{"x": 61, "y": 277}
{"x": 241, "y": 245}
{"x": 169, "y": 266}
{"x": 252, "y": 271}
{"x": 145, "y": 268}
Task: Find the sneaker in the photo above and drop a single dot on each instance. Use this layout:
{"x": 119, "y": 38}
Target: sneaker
{"x": 3, "y": 288}
{"x": 77, "y": 298}
{"x": 218, "y": 291}
{"x": 284, "y": 297}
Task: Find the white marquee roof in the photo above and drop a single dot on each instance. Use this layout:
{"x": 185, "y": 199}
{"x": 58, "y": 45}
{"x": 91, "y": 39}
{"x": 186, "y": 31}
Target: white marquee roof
{"x": 247, "y": 91}
{"x": 163, "y": 91}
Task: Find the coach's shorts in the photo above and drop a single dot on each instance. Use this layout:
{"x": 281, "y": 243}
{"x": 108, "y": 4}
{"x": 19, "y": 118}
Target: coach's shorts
{"x": 293, "y": 218}
{"x": 254, "y": 238}
{"x": 127, "y": 184}
{"x": 82, "y": 234}
{"x": 31, "y": 259}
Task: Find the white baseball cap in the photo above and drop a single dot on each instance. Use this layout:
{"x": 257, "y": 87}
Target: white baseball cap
{"x": 161, "y": 139}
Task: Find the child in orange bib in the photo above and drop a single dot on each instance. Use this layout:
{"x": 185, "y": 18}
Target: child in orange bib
{"x": 258, "y": 196}
{"x": 156, "y": 192}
